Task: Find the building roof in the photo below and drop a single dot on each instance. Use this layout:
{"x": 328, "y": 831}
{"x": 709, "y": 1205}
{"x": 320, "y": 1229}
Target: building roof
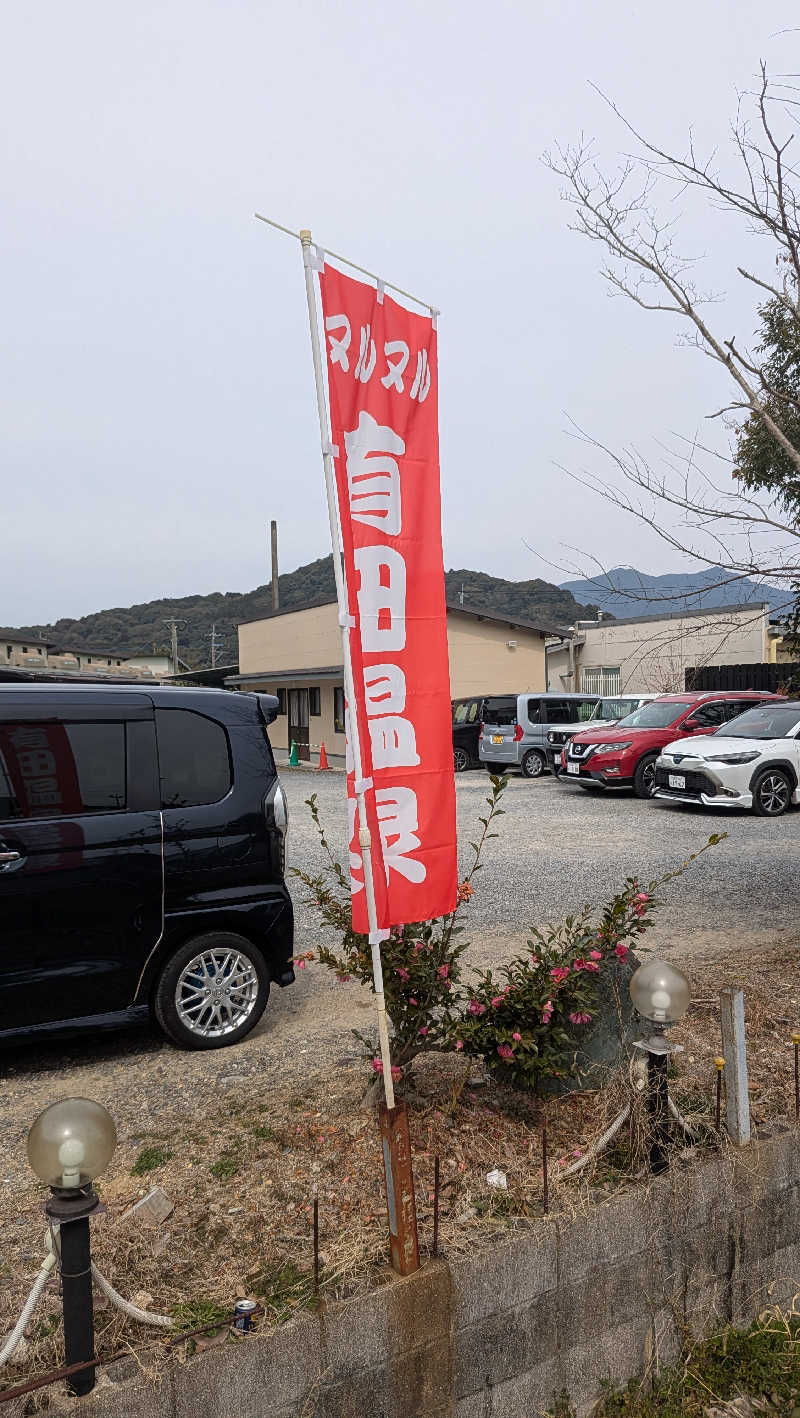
{"x": 582, "y": 626}
{"x": 20, "y": 638}
{"x": 454, "y": 607}
{"x": 306, "y": 676}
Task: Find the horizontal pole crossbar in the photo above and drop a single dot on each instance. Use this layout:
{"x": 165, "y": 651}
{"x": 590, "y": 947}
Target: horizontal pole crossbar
{"x": 434, "y": 309}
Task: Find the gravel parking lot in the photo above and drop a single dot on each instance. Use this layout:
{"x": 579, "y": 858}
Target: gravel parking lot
{"x": 559, "y": 847}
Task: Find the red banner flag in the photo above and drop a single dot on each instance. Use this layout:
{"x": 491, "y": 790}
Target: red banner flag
{"x": 383, "y": 395}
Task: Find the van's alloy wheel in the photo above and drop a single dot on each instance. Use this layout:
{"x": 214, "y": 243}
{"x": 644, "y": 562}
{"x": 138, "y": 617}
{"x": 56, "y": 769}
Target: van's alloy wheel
{"x": 212, "y": 991}
{"x": 533, "y": 764}
{"x": 460, "y": 759}
{"x": 772, "y": 793}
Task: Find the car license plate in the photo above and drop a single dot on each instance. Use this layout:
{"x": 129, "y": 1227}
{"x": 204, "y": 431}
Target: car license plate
{"x": 497, "y": 738}
{"x": 573, "y": 767}
{"x": 676, "y": 780}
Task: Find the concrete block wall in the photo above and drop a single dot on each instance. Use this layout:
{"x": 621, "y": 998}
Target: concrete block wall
{"x": 566, "y": 1305}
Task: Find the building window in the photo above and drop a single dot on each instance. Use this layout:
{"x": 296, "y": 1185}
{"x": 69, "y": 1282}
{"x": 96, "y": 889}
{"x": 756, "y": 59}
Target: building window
{"x": 88, "y": 660}
{"x": 313, "y": 703}
{"x": 281, "y": 693}
{"x": 338, "y": 709}
{"x": 601, "y": 680}
{"x": 24, "y": 649}
{"x": 39, "y": 650}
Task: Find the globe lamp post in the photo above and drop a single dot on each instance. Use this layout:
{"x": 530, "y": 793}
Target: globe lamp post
{"x": 69, "y": 1145}
{"x": 661, "y": 996}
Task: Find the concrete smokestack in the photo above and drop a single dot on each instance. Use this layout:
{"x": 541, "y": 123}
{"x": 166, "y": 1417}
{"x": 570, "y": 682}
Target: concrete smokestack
{"x": 273, "y": 531}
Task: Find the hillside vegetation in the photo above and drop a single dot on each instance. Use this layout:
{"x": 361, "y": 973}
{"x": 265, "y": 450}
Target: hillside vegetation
{"x": 141, "y": 629}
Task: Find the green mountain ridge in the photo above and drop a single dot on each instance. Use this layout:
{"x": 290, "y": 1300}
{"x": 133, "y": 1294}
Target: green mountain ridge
{"x": 142, "y": 629}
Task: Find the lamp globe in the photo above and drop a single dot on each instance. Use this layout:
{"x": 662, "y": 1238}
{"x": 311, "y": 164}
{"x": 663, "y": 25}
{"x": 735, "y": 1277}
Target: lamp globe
{"x": 71, "y": 1143}
{"x": 660, "y": 992}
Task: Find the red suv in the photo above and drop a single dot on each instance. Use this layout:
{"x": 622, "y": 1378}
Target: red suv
{"x": 625, "y": 756}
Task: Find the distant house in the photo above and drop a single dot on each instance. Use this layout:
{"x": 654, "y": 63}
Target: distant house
{"x": 650, "y": 653}
{"x": 27, "y": 658}
{"x": 297, "y": 655}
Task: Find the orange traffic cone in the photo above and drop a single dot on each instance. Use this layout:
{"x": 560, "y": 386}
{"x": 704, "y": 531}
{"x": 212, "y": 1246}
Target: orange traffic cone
{"x": 323, "y": 759}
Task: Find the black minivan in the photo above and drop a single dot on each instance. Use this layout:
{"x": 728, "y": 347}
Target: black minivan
{"x": 142, "y": 836}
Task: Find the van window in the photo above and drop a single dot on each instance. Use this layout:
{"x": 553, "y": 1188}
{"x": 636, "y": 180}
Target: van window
{"x": 466, "y": 712}
{"x": 62, "y": 770}
{"x": 587, "y": 709}
{"x": 560, "y": 711}
{"x": 500, "y": 711}
{"x": 194, "y": 759}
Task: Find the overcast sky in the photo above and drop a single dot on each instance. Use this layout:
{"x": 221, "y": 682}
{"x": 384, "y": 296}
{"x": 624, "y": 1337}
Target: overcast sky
{"x": 156, "y": 395}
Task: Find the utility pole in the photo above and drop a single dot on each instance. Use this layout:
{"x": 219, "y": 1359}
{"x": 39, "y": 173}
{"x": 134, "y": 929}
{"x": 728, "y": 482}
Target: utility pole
{"x": 173, "y": 630}
{"x": 273, "y": 532}
{"x": 214, "y": 638}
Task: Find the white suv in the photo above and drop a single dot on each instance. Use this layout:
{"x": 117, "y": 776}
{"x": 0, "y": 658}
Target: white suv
{"x": 753, "y": 762}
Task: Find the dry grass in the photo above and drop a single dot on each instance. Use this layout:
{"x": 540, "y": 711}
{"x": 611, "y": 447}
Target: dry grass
{"x": 243, "y": 1181}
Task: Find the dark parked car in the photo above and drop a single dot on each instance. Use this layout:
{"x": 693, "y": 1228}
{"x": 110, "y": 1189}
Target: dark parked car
{"x": 141, "y": 861}
{"x": 467, "y": 715}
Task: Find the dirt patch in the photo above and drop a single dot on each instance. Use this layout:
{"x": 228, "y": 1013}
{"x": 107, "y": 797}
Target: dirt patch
{"x": 241, "y": 1163}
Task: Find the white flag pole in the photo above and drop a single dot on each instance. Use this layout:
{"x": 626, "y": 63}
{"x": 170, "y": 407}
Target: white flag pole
{"x": 362, "y": 785}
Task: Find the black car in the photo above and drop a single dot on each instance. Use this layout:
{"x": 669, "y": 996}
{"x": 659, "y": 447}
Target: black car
{"x": 141, "y": 860}
{"x": 467, "y": 715}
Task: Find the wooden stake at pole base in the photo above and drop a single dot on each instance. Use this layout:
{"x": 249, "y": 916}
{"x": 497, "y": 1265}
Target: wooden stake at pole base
{"x": 403, "y": 1240}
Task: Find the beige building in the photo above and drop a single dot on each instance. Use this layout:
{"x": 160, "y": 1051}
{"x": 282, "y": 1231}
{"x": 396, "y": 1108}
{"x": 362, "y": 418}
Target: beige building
{"x": 297, "y": 655}
{"x": 650, "y": 654}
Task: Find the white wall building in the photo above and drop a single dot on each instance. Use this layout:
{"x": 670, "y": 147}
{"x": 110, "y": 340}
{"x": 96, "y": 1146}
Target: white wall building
{"x": 651, "y": 653}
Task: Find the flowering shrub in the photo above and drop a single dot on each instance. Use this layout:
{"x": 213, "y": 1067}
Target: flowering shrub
{"x": 421, "y": 963}
{"x": 525, "y": 1020}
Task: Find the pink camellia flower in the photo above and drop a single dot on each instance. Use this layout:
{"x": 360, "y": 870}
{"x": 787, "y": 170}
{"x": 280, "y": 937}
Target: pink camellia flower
{"x": 641, "y": 896}
{"x": 419, "y": 945}
{"x": 475, "y": 1007}
{"x": 377, "y": 1065}
{"x": 534, "y": 959}
{"x": 579, "y": 1017}
{"x": 592, "y": 966}
{"x": 396, "y": 1072}
{"x": 579, "y": 963}
{"x": 443, "y": 972}
{"x": 411, "y": 999}
{"x": 459, "y": 1044}
{"x": 547, "y": 1012}
{"x": 505, "y": 1051}
{"x": 301, "y": 964}
{"x": 423, "y": 1031}
{"x": 621, "y": 951}
{"x": 638, "y": 909}
{"x": 498, "y": 999}
{"x": 517, "y": 1037}
{"x": 559, "y": 973}
{"x": 595, "y": 954}
{"x": 403, "y": 974}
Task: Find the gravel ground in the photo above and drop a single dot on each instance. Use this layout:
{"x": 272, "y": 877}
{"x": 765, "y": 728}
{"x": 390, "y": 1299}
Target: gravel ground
{"x": 559, "y": 847}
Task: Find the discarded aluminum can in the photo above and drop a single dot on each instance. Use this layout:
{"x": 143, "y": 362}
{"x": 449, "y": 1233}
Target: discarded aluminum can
{"x": 243, "y": 1315}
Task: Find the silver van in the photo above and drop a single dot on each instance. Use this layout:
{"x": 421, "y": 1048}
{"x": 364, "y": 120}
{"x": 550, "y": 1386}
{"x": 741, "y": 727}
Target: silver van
{"x": 515, "y": 727}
